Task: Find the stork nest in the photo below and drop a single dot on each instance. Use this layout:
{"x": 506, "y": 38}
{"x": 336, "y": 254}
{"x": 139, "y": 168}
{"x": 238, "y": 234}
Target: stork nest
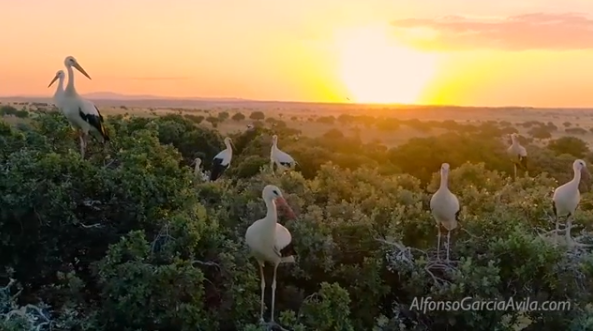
{"x": 431, "y": 261}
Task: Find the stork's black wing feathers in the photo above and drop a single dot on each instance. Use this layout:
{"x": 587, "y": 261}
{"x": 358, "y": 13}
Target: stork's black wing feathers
{"x": 288, "y": 251}
{"x": 96, "y": 121}
{"x": 457, "y": 214}
{"x": 217, "y": 169}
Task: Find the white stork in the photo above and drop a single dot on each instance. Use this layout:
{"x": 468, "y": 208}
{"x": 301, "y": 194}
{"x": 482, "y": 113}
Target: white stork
{"x": 198, "y": 170}
{"x": 444, "y": 206}
{"x": 58, "y": 95}
{"x": 270, "y": 242}
{"x": 566, "y": 199}
{"x": 518, "y": 154}
{"x": 222, "y": 160}
{"x": 82, "y": 114}
{"x": 281, "y": 159}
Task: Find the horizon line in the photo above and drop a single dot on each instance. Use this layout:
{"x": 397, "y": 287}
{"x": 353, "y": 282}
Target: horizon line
{"x": 149, "y": 97}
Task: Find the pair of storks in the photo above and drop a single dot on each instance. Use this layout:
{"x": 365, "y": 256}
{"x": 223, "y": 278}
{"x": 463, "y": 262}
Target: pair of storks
{"x": 222, "y": 160}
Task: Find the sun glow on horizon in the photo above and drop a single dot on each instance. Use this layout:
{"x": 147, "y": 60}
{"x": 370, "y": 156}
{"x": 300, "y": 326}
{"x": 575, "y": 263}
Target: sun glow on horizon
{"x": 375, "y": 68}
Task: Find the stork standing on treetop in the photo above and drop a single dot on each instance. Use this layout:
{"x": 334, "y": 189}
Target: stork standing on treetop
{"x": 82, "y": 114}
{"x": 445, "y": 209}
{"x": 518, "y": 154}
{"x": 222, "y": 160}
{"x": 270, "y": 242}
{"x": 281, "y": 159}
{"x": 566, "y": 200}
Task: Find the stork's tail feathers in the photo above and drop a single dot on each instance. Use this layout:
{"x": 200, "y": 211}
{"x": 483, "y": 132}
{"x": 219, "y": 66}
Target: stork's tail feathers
{"x": 103, "y": 132}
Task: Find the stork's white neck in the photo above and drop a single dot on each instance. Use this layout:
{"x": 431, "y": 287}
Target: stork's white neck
{"x": 60, "y": 87}
{"x": 271, "y": 214}
{"x": 197, "y": 169}
{"x": 70, "y": 86}
{"x": 444, "y": 180}
{"x": 576, "y": 179}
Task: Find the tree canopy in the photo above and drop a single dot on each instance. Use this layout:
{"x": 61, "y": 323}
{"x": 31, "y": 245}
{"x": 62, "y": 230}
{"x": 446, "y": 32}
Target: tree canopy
{"x": 129, "y": 240}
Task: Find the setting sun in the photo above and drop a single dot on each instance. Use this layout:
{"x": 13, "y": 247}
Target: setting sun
{"x": 375, "y": 68}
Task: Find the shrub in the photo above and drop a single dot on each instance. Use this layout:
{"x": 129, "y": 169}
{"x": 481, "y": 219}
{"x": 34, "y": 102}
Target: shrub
{"x": 257, "y": 116}
{"x": 128, "y": 240}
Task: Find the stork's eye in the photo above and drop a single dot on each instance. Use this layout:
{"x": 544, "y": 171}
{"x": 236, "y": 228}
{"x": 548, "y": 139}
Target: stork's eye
{"x": 276, "y": 192}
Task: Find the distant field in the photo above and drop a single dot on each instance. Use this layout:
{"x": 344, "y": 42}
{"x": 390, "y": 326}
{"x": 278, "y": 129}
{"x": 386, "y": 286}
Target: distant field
{"x": 305, "y": 117}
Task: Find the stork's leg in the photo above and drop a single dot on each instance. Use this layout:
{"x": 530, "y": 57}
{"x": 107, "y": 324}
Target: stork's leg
{"x": 263, "y": 290}
{"x": 438, "y": 242}
{"x": 515, "y": 170}
{"x": 448, "y": 242}
{"x": 556, "y": 232}
{"x": 82, "y": 143}
{"x": 567, "y": 235}
{"x": 273, "y": 293}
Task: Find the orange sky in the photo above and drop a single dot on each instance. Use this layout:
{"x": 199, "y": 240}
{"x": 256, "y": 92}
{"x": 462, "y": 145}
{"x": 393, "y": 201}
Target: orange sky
{"x": 465, "y": 52}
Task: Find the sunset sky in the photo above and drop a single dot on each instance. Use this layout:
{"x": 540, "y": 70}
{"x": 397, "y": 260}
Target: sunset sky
{"x": 464, "y": 52}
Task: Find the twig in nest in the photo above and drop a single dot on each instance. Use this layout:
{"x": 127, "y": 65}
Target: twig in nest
{"x": 271, "y": 326}
{"x": 207, "y": 263}
{"x": 162, "y": 238}
{"x": 11, "y": 282}
{"x": 96, "y": 225}
{"x": 473, "y": 236}
{"x": 447, "y": 267}
{"x": 401, "y": 246}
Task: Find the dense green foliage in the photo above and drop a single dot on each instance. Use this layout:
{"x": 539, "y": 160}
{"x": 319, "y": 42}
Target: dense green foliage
{"x": 129, "y": 240}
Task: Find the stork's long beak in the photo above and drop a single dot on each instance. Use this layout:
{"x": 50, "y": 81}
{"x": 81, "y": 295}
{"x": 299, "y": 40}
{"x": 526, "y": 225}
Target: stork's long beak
{"x": 193, "y": 162}
{"x": 53, "y": 80}
{"x": 82, "y": 71}
{"x": 281, "y": 202}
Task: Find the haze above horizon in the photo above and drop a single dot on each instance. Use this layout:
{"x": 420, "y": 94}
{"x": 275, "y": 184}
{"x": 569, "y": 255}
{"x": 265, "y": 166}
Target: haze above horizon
{"x": 452, "y": 52}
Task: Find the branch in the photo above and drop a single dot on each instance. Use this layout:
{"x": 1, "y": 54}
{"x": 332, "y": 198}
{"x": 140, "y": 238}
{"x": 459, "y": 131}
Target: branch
{"x": 96, "y": 225}
{"x": 9, "y": 285}
{"x": 206, "y": 263}
{"x": 401, "y": 247}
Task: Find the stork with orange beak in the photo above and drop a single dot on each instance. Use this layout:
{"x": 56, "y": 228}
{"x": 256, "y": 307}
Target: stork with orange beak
{"x": 82, "y": 114}
{"x": 271, "y": 242}
{"x": 59, "y": 77}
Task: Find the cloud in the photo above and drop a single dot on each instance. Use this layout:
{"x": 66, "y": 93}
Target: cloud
{"x": 568, "y": 31}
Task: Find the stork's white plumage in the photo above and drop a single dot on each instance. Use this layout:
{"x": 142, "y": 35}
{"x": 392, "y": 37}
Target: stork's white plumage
{"x": 281, "y": 159}
{"x": 269, "y": 241}
{"x": 444, "y": 206}
{"x": 567, "y": 197}
{"x": 222, "y": 160}
{"x": 82, "y": 114}
{"x": 518, "y": 153}
{"x": 59, "y": 94}
{"x": 198, "y": 170}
